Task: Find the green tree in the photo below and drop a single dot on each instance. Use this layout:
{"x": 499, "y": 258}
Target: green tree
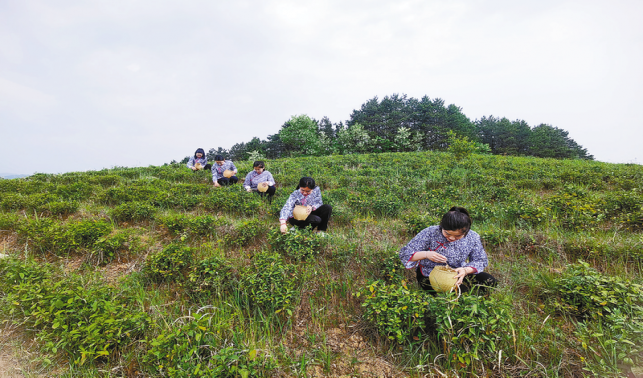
{"x": 300, "y": 135}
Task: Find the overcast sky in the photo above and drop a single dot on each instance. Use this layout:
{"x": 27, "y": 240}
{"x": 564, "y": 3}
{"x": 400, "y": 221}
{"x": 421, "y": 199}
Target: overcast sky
{"x": 86, "y": 85}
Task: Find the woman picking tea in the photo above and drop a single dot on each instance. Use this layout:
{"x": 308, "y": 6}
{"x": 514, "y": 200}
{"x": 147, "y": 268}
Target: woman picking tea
{"x": 452, "y": 243}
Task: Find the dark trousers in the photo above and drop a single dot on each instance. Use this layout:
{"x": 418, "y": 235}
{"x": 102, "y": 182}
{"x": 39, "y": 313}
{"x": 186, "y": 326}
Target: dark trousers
{"x": 270, "y": 192}
{"x": 223, "y": 181}
{"x": 477, "y": 283}
{"x": 317, "y": 218}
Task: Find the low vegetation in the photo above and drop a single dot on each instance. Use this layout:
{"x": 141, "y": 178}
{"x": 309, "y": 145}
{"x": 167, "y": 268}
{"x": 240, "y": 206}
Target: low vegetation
{"x": 154, "y": 272}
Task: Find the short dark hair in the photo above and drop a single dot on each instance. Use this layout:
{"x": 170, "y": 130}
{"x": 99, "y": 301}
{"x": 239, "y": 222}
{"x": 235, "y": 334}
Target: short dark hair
{"x": 457, "y": 218}
{"x": 307, "y": 182}
{"x": 219, "y": 158}
{"x": 258, "y": 164}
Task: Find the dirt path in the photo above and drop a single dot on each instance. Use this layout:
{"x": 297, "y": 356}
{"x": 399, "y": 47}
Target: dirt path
{"x": 9, "y": 365}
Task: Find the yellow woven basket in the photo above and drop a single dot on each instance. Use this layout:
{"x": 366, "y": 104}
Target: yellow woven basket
{"x": 300, "y": 212}
{"x": 442, "y": 278}
{"x": 228, "y": 173}
{"x": 262, "y": 187}
{"x": 198, "y": 166}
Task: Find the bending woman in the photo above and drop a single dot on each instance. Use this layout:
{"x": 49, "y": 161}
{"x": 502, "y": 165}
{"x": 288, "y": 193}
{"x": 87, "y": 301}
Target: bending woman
{"x": 307, "y": 194}
{"x": 257, "y": 176}
{"x": 452, "y": 243}
{"x": 198, "y": 161}
{"x": 221, "y": 165}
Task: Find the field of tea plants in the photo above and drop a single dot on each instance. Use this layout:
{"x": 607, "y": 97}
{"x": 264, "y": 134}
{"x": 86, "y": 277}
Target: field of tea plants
{"x": 153, "y": 272}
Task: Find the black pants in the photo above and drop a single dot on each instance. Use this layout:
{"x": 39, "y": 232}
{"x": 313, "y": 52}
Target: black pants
{"x": 317, "y": 218}
{"x": 223, "y": 181}
{"x": 270, "y": 192}
{"x": 478, "y": 283}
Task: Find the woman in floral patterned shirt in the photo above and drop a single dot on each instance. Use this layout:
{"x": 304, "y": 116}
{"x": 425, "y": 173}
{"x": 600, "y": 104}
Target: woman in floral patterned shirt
{"x": 309, "y": 195}
{"x": 452, "y": 243}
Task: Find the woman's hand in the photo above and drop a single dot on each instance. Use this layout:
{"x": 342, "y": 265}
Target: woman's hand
{"x": 283, "y": 228}
{"x": 429, "y": 255}
{"x": 461, "y": 273}
{"x": 309, "y": 209}
{"x": 216, "y": 184}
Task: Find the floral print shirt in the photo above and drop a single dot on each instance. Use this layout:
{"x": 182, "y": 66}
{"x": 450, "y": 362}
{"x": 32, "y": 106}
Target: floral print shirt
{"x": 314, "y": 199}
{"x": 464, "y": 252}
{"x": 253, "y": 179}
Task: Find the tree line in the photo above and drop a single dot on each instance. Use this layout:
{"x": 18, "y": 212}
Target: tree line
{"x": 399, "y": 123}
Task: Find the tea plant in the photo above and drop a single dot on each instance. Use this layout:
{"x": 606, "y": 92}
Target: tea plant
{"x": 270, "y": 283}
{"x": 133, "y": 211}
{"x": 299, "y": 244}
{"x": 394, "y": 310}
{"x": 170, "y": 264}
{"x": 84, "y": 320}
{"x": 212, "y": 275}
{"x": 198, "y": 348}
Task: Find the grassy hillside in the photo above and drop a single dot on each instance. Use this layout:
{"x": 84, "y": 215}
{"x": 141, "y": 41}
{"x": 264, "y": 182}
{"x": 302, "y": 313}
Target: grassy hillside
{"x": 154, "y": 272}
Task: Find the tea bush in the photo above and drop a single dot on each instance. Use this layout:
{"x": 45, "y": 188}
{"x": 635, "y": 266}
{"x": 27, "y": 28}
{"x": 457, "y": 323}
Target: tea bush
{"x": 213, "y": 274}
{"x": 587, "y": 294}
{"x": 47, "y": 235}
{"x": 299, "y": 244}
{"x": 245, "y": 232}
{"x": 109, "y": 247}
{"x": 170, "y": 264}
{"x": 84, "y": 320}
{"x": 394, "y": 310}
{"x": 270, "y": 283}
{"x": 233, "y": 199}
{"x": 198, "y": 348}
{"x": 9, "y": 221}
{"x": 473, "y": 329}
{"x": 133, "y": 211}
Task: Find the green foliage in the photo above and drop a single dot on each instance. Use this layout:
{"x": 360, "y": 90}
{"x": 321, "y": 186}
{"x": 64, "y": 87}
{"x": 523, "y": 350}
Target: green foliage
{"x": 48, "y": 235}
{"x": 109, "y": 247}
{"x": 394, "y": 310}
{"x": 198, "y": 349}
{"x": 473, "y": 329}
{"x": 300, "y": 134}
{"x": 9, "y": 221}
{"x": 299, "y": 244}
{"x": 83, "y": 320}
{"x": 133, "y": 211}
{"x": 270, "y": 283}
{"x": 418, "y": 222}
{"x": 179, "y": 224}
{"x": 586, "y": 293}
{"x": 170, "y": 264}
{"x": 460, "y": 147}
{"x": 233, "y": 199}
{"x": 213, "y": 274}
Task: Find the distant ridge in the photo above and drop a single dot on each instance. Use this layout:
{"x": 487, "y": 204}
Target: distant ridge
{"x": 12, "y": 175}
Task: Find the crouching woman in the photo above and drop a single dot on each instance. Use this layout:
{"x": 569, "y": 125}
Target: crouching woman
{"x": 451, "y": 243}
{"x": 306, "y": 194}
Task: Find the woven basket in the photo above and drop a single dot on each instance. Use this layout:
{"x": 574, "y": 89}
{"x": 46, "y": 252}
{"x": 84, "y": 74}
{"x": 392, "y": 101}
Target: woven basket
{"x": 300, "y": 212}
{"x": 262, "y": 187}
{"x": 198, "y": 166}
{"x": 228, "y": 173}
{"x": 442, "y": 278}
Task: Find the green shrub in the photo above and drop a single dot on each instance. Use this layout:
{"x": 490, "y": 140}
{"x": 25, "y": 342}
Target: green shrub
{"x": 473, "y": 329}
{"x": 83, "y": 320}
{"x": 418, "y": 222}
{"x": 133, "y": 211}
{"x": 584, "y": 292}
{"x": 270, "y": 284}
{"x": 394, "y": 310}
{"x": 9, "y": 221}
{"x": 108, "y": 247}
{"x": 387, "y": 206}
{"x": 233, "y": 199}
{"x": 171, "y": 263}
{"x": 60, "y": 207}
{"x": 213, "y": 274}
{"x": 60, "y": 238}
{"x": 245, "y": 232}
{"x": 299, "y": 244}
{"x": 198, "y": 349}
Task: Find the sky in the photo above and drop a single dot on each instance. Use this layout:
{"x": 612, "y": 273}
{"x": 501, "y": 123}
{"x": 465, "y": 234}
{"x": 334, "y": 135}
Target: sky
{"x": 87, "y": 85}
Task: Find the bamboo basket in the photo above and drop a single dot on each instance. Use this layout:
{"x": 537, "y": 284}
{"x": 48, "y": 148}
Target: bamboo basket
{"x": 442, "y": 278}
{"x": 262, "y": 187}
{"x": 300, "y": 212}
{"x": 228, "y": 173}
